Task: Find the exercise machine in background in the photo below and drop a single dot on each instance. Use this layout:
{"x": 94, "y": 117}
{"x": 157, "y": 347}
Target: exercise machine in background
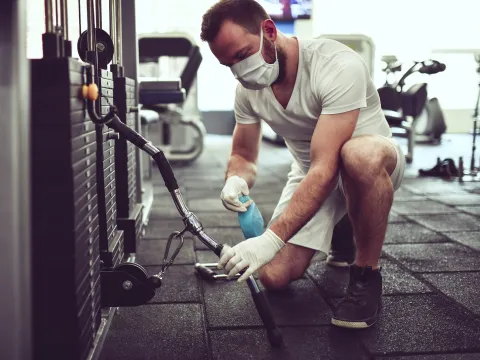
{"x": 361, "y": 44}
{"x": 172, "y": 97}
{"x": 446, "y": 168}
{"x": 410, "y": 113}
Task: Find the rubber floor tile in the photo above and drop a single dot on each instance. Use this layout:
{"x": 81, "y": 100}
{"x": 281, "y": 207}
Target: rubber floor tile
{"x": 447, "y": 222}
{"x": 434, "y": 257}
{"x": 300, "y": 343}
{"x": 152, "y": 332}
{"x": 422, "y": 208}
{"x": 299, "y": 304}
{"x": 231, "y": 236}
{"x": 412, "y": 233}
{"x": 461, "y": 287}
{"x": 151, "y": 252}
{"x": 457, "y": 199}
{"x": 467, "y": 238}
{"x": 179, "y": 284}
{"x": 434, "y": 357}
{"x": 421, "y": 323}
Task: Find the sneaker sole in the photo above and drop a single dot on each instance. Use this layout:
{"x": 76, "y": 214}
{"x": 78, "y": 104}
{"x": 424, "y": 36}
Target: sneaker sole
{"x": 331, "y": 261}
{"x": 363, "y": 324}
{"x": 352, "y": 324}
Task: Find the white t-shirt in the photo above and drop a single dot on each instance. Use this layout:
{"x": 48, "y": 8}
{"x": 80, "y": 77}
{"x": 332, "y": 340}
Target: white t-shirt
{"x": 331, "y": 79}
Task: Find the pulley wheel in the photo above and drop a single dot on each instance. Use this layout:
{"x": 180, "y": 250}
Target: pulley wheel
{"x": 104, "y": 47}
{"x": 133, "y": 269}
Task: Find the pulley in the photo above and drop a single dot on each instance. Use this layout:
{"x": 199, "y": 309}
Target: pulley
{"x": 103, "y": 46}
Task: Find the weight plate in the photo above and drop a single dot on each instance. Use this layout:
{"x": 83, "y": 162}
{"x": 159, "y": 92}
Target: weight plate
{"x": 133, "y": 269}
{"x": 106, "y": 84}
{"x": 106, "y": 74}
{"x": 82, "y": 128}
{"x": 81, "y": 212}
{"x": 108, "y": 93}
{"x": 79, "y": 154}
{"x": 104, "y": 47}
{"x": 83, "y": 139}
{"x": 87, "y": 227}
{"x": 80, "y": 179}
{"x": 105, "y": 109}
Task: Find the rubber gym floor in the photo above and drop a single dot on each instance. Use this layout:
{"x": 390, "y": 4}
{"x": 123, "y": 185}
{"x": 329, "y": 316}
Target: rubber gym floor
{"x": 430, "y": 260}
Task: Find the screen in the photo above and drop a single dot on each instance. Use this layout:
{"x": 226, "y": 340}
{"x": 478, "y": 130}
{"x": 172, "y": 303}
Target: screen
{"x": 287, "y": 9}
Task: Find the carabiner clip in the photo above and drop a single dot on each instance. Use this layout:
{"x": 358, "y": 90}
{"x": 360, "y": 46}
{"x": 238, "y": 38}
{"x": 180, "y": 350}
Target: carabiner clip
{"x": 166, "y": 264}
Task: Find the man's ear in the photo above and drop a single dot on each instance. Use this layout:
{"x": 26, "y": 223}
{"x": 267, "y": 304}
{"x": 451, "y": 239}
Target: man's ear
{"x": 270, "y": 30}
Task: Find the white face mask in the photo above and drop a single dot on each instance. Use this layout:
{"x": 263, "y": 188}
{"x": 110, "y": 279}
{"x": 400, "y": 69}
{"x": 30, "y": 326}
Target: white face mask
{"x": 254, "y": 72}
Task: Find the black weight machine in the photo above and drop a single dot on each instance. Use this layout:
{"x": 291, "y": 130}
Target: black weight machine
{"x": 403, "y": 109}
{"x": 129, "y": 284}
{"x": 446, "y": 168}
{"x": 182, "y": 132}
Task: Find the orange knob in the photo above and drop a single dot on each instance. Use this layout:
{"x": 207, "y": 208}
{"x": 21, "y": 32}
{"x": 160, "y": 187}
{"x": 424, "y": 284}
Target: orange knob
{"x": 90, "y": 92}
{"x": 84, "y": 91}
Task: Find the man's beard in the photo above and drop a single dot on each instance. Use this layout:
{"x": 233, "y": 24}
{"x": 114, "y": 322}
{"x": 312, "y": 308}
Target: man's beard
{"x": 270, "y": 58}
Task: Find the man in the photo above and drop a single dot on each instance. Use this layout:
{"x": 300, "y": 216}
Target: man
{"x": 319, "y": 96}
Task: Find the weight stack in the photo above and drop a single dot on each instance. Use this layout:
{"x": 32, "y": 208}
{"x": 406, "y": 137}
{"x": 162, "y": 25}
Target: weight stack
{"x": 130, "y": 212}
{"x": 65, "y": 217}
{"x": 111, "y": 238}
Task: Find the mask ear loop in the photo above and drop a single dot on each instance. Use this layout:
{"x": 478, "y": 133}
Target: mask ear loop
{"x": 261, "y": 47}
{"x": 261, "y": 41}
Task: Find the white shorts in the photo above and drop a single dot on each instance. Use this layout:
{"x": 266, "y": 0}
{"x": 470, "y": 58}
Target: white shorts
{"x": 317, "y": 233}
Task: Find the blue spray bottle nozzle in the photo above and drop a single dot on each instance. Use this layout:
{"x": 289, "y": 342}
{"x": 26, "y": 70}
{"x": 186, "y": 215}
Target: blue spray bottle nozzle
{"x": 251, "y": 221}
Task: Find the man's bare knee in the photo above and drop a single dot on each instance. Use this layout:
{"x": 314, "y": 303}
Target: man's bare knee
{"x": 364, "y": 158}
{"x": 273, "y": 278}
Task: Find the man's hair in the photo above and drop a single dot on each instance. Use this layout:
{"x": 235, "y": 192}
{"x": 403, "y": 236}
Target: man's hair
{"x": 247, "y": 13}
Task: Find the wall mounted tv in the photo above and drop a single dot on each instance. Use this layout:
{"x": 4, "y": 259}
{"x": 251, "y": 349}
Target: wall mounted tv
{"x": 287, "y": 9}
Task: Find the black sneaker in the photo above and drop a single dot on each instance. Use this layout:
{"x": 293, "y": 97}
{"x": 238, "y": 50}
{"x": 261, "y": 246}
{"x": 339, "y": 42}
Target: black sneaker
{"x": 342, "y": 253}
{"x": 360, "y": 307}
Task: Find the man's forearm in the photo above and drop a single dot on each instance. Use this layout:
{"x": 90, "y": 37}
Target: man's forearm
{"x": 239, "y": 166}
{"x": 305, "y": 202}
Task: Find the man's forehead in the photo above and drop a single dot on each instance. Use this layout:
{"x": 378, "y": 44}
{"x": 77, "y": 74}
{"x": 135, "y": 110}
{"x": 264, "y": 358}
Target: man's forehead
{"x": 230, "y": 38}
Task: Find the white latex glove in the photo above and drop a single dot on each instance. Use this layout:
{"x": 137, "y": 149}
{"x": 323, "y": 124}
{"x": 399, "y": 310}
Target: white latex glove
{"x": 234, "y": 188}
{"x": 252, "y": 254}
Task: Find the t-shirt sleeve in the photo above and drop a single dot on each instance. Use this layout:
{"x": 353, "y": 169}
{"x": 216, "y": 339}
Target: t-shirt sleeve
{"x": 244, "y": 113}
{"x": 345, "y": 78}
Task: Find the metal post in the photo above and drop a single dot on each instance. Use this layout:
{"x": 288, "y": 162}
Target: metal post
{"x": 79, "y": 18}
{"x": 67, "y": 44}
{"x": 64, "y": 18}
{"x": 15, "y": 261}
{"x": 130, "y": 65}
{"x": 90, "y": 25}
{"x": 51, "y": 38}
{"x": 57, "y": 23}
{"x": 475, "y": 119}
{"x": 48, "y": 16}
{"x": 98, "y": 14}
{"x": 118, "y": 34}
{"x": 113, "y": 29}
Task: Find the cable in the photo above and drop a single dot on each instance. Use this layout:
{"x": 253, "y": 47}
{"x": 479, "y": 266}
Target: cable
{"x": 56, "y": 14}
{"x": 79, "y": 18}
